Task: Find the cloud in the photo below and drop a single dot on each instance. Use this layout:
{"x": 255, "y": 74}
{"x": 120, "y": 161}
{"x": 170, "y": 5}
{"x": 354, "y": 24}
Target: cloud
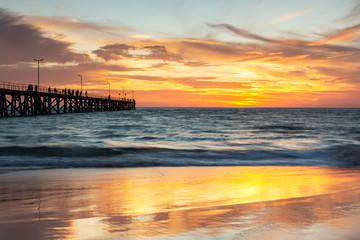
{"x": 95, "y": 74}
{"x": 344, "y": 35}
{"x": 289, "y": 16}
{"x": 165, "y": 79}
{"x": 353, "y": 15}
{"x": 121, "y": 51}
{"x": 291, "y": 45}
{"x": 22, "y": 42}
{"x": 214, "y": 84}
{"x": 256, "y": 69}
{"x": 286, "y": 45}
{"x": 58, "y": 8}
{"x": 74, "y": 25}
{"x": 240, "y": 32}
{"x": 160, "y": 52}
{"x": 96, "y": 67}
{"x": 114, "y": 52}
{"x": 197, "y": 64}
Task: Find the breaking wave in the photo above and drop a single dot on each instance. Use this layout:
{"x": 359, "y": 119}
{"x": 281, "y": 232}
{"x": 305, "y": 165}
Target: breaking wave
{"x": 79, "y": 156}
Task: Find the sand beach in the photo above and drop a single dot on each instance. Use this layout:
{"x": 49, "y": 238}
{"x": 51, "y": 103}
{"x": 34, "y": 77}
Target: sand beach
{"x": 256, "y": 202}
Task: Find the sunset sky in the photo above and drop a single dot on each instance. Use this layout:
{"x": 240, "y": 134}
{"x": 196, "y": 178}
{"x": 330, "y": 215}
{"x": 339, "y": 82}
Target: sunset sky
{"x": 189, "y": 53}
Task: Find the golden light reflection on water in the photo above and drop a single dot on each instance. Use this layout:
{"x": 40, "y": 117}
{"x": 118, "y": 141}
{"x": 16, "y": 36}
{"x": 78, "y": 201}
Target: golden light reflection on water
{"x": 153, "y": 202}
{"x": 160, "y": 201}
{"x": 171, "y": 189}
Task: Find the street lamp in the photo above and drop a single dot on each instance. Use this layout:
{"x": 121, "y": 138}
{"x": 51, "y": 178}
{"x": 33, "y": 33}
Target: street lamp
{"x": 80, "y": 80}
{"x": 109, "y": 89}
{"x": 38, "y": 61}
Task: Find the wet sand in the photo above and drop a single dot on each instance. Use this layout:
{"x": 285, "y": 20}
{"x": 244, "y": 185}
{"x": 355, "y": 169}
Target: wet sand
{"x": 181, "y": 203}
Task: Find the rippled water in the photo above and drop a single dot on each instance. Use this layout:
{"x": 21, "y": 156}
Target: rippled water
{"x": 182, "y": 137}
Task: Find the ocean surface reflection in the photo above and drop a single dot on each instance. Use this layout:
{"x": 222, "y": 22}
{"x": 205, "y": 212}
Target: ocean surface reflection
{"x": 187, "y": 202}
{"x": 183, "y": 137}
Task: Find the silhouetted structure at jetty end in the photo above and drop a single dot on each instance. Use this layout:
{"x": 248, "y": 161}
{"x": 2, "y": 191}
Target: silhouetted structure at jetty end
{"x": 30, "y": 100}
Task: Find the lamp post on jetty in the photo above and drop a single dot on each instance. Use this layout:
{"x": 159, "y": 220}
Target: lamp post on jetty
{"x": 80, "y": 81}
{"x": 109, "y": 89}
{"x": 38, "y": 61}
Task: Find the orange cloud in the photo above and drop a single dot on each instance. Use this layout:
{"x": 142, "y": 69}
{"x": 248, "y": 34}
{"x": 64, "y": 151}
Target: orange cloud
{"x": 189, "y": 72}
{"x": 343, "y": 36}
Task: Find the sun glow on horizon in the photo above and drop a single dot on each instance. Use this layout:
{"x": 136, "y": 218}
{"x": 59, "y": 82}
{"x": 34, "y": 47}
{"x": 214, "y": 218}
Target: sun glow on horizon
{"x": 227, "y": 65}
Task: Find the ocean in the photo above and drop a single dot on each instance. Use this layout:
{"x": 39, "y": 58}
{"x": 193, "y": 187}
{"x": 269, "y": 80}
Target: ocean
{"x": 182, "y": 173}
{"x": 183, "y": 137}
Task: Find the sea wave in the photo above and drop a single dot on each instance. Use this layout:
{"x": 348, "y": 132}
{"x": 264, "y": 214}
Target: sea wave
{"x": 87, "y": 156}
{"x": 281, "y": 128}
{"x": 57, "y": 151}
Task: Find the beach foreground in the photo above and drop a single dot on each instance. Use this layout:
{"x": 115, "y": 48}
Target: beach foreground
{"x": 256, "y": 202}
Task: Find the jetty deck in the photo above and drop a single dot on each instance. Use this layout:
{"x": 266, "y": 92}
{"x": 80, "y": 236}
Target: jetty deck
{"x": 28, "y": 100}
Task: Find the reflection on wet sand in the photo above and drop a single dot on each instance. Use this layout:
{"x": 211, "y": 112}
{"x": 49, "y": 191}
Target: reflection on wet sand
{"x": 227, "y": 202}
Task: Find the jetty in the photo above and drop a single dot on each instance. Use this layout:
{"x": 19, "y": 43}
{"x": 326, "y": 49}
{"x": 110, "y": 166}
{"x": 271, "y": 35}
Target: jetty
{"x": 30, "y": 100}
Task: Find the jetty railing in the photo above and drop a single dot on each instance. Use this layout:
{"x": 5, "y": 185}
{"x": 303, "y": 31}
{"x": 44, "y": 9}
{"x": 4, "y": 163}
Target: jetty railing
{"x": 29, "y": 100}
{"x": 13, "y": 86}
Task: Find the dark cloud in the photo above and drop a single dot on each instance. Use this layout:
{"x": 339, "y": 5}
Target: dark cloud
{"x": 340, "y": 74}
{"x": 114, "y": 52}
{"x": 226, "y": 49}
{"x": 160, "y": 52}
{"x": 197, "y": 64}
{"x": 22, "y": 42}
{"x": 296, "y": 43}
{"x": 160, "y": 65}
{"x": 289, "y": 47}
{"x": 241, "y": 32}
{"x": 120, "y": 51}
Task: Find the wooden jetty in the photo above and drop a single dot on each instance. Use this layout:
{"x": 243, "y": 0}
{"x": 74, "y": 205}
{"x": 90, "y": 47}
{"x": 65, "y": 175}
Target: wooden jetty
{"x": 28, "y": 100}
